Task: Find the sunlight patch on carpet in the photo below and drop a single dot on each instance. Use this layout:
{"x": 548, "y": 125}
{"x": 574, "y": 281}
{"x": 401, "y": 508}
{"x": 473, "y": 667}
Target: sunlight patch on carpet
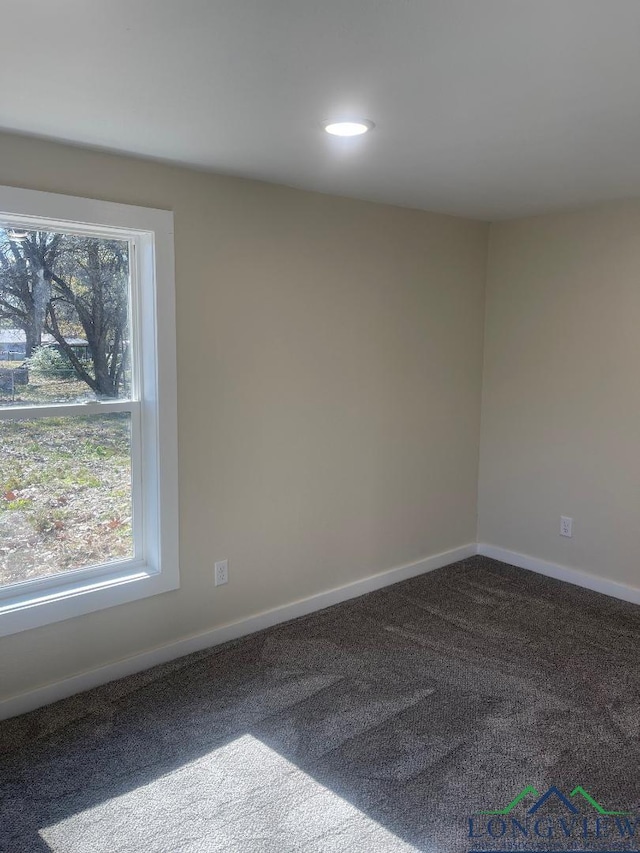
{"x": 241, "y": 797}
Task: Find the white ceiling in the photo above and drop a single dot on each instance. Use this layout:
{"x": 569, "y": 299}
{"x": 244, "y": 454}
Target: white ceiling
{"x": 487, "y": 108}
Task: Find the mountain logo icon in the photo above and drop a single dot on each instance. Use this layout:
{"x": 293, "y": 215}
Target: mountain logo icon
{"x": 577, "y": 797}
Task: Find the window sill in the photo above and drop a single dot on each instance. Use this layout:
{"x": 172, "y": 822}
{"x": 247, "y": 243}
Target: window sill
{"x": 77, "y": 596}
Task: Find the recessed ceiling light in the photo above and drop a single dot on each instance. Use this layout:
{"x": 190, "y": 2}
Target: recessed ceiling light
{"x": 356, "y": 127}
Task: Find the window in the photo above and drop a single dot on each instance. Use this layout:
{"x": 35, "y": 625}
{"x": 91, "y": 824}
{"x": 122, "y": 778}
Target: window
{"x": 88, "y": 439}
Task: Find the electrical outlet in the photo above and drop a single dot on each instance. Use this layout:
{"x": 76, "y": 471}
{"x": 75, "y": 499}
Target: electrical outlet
{"x": 221, "y": 572}
{"x": 566, "y": 526}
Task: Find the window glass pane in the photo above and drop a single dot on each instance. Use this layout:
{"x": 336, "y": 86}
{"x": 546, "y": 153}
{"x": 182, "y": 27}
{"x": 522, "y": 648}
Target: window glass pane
{"x": 65, "y": 494}
{"x": 64, "y": 318}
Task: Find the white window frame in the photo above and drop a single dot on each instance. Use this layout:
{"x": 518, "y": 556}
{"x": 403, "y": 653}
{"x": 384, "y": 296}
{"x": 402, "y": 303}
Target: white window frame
{"x": 154, "y": 567}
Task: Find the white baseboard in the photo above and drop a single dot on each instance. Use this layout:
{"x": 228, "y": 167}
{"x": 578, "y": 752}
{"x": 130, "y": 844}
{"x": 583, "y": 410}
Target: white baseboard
{"x": 563, "y": 573}
{"x": 94, "y": 678}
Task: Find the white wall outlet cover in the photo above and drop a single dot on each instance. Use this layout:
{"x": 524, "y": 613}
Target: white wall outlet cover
{"x": 221, "y": 572}
{"x": 566, "y": 526}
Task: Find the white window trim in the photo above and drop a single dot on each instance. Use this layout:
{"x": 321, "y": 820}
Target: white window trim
{"x": 43, "y": 601}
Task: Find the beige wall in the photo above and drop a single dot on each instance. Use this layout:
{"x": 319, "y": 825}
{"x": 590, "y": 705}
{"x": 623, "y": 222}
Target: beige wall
{"x": 561, "y": 406}
{"x": 329, "y": 363}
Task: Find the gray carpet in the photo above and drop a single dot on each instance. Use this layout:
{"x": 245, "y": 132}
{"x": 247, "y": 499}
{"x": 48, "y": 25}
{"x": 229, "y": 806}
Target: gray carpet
{"x": 381, "y": 724}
